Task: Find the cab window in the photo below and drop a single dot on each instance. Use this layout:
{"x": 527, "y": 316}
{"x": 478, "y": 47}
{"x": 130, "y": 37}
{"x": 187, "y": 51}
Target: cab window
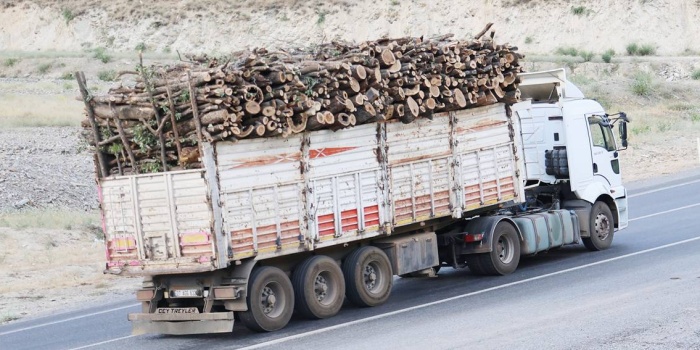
{"x": 601, "y": 135}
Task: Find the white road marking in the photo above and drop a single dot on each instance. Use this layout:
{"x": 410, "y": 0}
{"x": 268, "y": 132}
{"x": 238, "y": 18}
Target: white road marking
{"x": 663, "y": 188}
{"x": 68, "y": 319}
{"x": 103, "y": 342}
{"x": 666, "y": 212}
{"x": 412, "y": 308}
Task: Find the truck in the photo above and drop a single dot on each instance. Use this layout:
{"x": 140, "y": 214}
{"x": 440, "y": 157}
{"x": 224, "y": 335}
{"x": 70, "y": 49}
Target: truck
{"x": 273, "y": 226}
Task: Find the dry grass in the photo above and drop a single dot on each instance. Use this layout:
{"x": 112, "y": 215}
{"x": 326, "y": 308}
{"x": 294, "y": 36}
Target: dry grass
{"x": 39, "y": 110}
{"x": 51, "y": 219}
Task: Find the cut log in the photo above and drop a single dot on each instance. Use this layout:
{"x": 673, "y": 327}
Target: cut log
{"x": 359, "y": 72}
{"x": 459, "y": 98}
{"x": 387, "y": 57}
{"x": 252, "y": 107}
{"x": 365, "y": 113}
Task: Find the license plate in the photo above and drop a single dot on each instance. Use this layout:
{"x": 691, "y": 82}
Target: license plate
{"x": 178, "y": 310}
{"x": 185, "y": 293}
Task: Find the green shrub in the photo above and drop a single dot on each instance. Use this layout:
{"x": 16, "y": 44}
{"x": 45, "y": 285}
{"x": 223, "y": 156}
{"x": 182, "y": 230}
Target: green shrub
{"x": 642, "y": 84}
{"x": 635, "y": 49}
{"x": 321, "y": 18}
{"x": 67, "y": 76}
{"x": 608, "y": 55}
{"x": 586, "y": 55}
{"x": 141, "y": 47}
{"x": 68, "y": 15}
{"x": 567, "y": 51}
{"x": 107, "y": 75}
{"x": 695, "y": 117}
{"x": 101, "y": 55}
{"x": 44, "y": 68}
{"x": 578, "y": 10}
{"x": 9, "y": 62}
{"x": 696, "y": 74}
{"x": 528, "y": 40}
{"x": 646, "y": 50}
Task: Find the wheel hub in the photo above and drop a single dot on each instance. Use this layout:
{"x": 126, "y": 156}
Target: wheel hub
{"x": 602, "y": 227}
{"x": 321, "y": 288}
{"x": 370, "y": 276}
{"x": 268, "y": 300}
{"x": 504, "y": 248}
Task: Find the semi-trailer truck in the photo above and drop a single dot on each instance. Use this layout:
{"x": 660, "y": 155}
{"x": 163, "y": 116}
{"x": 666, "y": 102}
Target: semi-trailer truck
{"x": 272, "y": 226}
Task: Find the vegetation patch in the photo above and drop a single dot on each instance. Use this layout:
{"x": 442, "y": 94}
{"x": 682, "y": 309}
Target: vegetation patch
{"x": 567, "y": 51}
{"x": 101, "y": 54}
{"x": 586, "y": 55}
{"x": 639, "y": 129}
{"x": 10, "y": 62}
{"x": 681, "y": 107}
{"x": 635, "y": 49}
{"x": 579, "y": 10}
{"x": 608, "y": 55}
{"x": 44, "y": 68}
{"x": 9, "y": 318}
{"x": 642, "y": 84}
{"x": 321, "y": 17}
{"x": 107, "y": 75}
{"x": 50, "y": 219}
{"x": 696, "y": 74}
{"x": 68, "y": 15}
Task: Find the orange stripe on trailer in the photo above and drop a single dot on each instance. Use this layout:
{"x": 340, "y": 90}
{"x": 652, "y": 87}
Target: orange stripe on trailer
{"x": 325, "y": 152}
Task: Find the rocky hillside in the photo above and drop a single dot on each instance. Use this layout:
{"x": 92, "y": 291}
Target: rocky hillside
{"x": 537, "y": 26}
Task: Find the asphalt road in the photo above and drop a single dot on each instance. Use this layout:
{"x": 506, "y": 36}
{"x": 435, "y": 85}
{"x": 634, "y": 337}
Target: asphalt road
{"x": 643, "y": 292}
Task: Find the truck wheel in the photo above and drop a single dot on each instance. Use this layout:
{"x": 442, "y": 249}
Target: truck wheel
{"x": 602, "y": 228}
{"x": 270, "y": 300}
{"x": 319, "y": 287}
{"x": 368, "y": 276}
{"x": 504, "y": 256}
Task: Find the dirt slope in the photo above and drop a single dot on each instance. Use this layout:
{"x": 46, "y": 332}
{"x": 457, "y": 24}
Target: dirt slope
{"x": 538, "y": 26}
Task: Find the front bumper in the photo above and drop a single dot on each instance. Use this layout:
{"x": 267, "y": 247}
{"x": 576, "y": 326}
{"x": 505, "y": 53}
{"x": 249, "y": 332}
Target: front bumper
{"x": 214, "y": 322}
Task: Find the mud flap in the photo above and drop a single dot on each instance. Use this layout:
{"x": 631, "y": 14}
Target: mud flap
{"x": 179, "y": 324}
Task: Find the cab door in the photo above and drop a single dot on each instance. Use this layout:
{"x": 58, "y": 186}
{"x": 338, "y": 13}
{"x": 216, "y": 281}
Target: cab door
{"x": 606, "y": 162}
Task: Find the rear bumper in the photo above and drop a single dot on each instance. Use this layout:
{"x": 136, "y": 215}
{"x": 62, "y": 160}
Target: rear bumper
{"x": 215, "y": 322}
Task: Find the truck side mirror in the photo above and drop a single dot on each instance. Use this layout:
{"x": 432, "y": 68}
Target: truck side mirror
{"x": 623, "y": 133}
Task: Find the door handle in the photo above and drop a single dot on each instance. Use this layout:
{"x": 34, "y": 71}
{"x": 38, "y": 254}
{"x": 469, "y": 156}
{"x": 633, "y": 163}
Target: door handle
{"x": 595, "y": 167}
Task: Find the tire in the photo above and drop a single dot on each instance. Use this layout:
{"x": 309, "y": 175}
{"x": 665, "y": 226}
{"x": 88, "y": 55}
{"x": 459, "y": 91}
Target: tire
{"x": 319, "y": 287}
{"x": 602, "y": 228}
{"x": 504, "y": 256}
{"x": 270, "y": 300}
{"x": 368, "y": 277}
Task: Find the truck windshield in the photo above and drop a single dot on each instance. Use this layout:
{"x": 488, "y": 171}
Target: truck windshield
{"x": 601, "y": 134}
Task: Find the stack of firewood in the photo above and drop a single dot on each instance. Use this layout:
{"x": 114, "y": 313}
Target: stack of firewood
{"x": 156, "y": 122}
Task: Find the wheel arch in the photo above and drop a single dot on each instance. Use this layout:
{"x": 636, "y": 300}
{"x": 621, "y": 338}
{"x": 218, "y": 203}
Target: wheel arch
{"x": 607, "y": 199}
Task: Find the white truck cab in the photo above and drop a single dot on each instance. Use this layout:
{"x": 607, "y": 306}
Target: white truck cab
{"x": 568, "y": 141}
